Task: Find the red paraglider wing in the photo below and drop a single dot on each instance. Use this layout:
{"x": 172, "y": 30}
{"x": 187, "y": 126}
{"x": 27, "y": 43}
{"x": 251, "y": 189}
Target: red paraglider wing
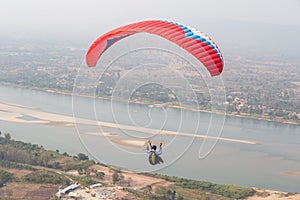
{"x": 195, "y": 42}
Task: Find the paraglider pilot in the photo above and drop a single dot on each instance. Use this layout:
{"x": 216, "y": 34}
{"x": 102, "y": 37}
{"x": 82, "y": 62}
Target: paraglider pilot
{"x": 154, "y": 154}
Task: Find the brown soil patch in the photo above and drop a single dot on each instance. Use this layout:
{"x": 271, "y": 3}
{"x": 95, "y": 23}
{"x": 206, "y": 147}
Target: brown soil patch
{"x": 273, "y": 195}
{"x": 136, "y": 180}
{"x": 122, "y": 194}
{"x": 42, "y": 193}
{"x": 18, "y": 173}
{"x": 27, "y": 191}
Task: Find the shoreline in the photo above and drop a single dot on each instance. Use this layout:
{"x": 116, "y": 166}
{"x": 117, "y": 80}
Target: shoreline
{"x": 106, "y": 134}
{"x": 154, "y": 105}
{"x": 19, "y": 114}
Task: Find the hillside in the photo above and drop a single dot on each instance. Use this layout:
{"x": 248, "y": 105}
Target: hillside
{"x": 28, "y": 171}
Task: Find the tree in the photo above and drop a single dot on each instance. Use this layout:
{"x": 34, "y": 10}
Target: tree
{"x": 45, "y": 159}
{"x": 4, "y": 177}
{"x": 129, "y": 181}
{"x": 115, "y": 177}
{"x": 7, "y": 136}
{"x": 100, "y": 175}
{"x": 82, "y": 156}
{"x": 80, "y": 171}
{"x": 121, "y": 178}
{"x": 148, "y": 189}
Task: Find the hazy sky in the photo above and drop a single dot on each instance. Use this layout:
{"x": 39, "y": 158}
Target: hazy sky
{"x": 26, "y": 18}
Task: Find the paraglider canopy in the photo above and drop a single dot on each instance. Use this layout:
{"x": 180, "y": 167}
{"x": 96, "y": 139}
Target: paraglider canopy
{"x": 195, "y": 42}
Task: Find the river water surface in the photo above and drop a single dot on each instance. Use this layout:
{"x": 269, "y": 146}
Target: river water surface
{"x": 260, "y": 165}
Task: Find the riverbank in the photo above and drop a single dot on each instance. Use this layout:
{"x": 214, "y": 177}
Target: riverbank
{"x": 40, "y": 178}
{"x": 277, "y": 153}
{"x": 241, "y": 115}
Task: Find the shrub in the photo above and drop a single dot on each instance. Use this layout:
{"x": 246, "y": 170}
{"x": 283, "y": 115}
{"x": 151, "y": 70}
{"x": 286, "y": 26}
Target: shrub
{"x": 4, "y": 177}
{"x": 46, "y": 177}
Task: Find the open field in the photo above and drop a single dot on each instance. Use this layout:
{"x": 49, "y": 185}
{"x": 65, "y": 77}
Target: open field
{"x": 30, "y": 191}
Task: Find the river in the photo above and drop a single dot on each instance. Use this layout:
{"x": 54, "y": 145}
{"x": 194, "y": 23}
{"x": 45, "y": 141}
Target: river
{"x": 263, "y": 164}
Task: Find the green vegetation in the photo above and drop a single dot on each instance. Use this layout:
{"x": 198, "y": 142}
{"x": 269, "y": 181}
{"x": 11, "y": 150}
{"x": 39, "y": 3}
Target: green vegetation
{"x": 86, "y": 181}
{"x": 31, "y": 154}
{"x": 115, "y": 177}
{"x": 9, "y": 164}
{"x": 82, "y": 156}
{"x": 114, "y": 168}
{"x": 166, "y": 193}
{"x": 21, "y": 152}
{"x": 100, "y": 175}
{"x": 21, "y": 155}
{"x": 257, "y": 85}
{"x": 7, "y": 136}
{"x": 200, "y": 187}
{"x": 230, "y": 191}
{"x": 177, "y": 188}
{"x": 42, "y": 176}
{"x": 67, "y": 164}
{"x": 4, "y": 177}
